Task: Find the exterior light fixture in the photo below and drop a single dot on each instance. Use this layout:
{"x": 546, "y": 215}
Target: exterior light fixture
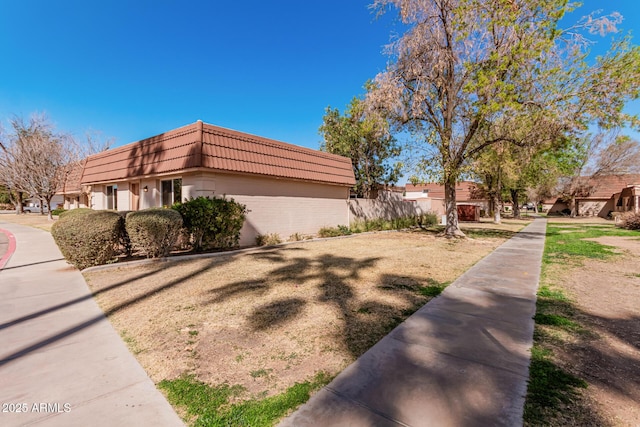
{"x": 146, "y": 188}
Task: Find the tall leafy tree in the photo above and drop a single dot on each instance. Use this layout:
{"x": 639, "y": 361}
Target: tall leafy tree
{"x": 466, "y": 72}
{"x": 366, "y": 140}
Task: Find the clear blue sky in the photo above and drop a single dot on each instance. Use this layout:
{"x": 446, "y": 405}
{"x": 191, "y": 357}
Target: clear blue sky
{"x": 133, "y": 69}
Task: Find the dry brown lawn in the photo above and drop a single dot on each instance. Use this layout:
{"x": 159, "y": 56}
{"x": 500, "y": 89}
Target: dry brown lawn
{"x": 31, "y": 219}
{"x": 271, "y": 317}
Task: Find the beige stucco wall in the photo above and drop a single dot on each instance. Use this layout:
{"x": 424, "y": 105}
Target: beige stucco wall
{"x": 585, "y": 207}
{"x": 389, "y": 205}
{"x": 275, "y": 205}
{"x": 595, "y": 208}
{"x": 438, "y": 206}
{"x": 75, "y": 201}
{"x": 97, "y": 197}
{"x": 288, "y": 215}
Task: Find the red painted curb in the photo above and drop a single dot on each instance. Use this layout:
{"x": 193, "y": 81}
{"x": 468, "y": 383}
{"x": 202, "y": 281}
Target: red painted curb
{"x": 10, "y": 250}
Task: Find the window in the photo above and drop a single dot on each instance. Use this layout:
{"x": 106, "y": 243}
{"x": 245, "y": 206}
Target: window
{"x": 171, "y": 191}
{"x": 425, "y": 191}
{"x": 112, "y": 197}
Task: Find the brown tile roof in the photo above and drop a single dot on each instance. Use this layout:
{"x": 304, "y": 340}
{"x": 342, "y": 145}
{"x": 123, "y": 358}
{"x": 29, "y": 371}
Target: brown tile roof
{"x": 72, "y": 183}
{"x": 465, "y": 190}
{"x": 201, "y": 145}
{"x": 606, "y": 186}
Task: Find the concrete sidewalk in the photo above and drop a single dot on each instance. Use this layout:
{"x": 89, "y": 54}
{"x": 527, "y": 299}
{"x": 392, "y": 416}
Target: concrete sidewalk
{"x": 61, "y": 362}
{"x": 461, "y": 360}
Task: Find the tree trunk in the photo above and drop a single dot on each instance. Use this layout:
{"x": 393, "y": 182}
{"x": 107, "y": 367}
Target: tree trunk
{"x": 49, "y": 214}
{"x": 573, "y": 205}
{"x": 17, "y": 201}
{"x": 452, "y": 229}
{"x": 516, "y": 205}
{"x": 495, "y": 201}
{"x": 492, "y": 207}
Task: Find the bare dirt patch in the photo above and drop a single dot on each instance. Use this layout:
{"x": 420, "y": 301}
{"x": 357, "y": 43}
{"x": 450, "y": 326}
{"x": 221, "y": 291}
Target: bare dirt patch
{"x": 607, "y": 302}
{"x": 276, "y": 316}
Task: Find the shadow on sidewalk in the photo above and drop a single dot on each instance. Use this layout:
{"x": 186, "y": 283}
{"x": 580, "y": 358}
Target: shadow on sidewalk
{"x": 16, "y": 354}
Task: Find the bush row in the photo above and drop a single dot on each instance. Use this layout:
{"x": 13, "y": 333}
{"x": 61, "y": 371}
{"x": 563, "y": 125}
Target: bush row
{"x": 87, "y": 237}
{"x": 424, "y": 220}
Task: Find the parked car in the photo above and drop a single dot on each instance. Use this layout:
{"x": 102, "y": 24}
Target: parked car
{"x": 34, "y": 208}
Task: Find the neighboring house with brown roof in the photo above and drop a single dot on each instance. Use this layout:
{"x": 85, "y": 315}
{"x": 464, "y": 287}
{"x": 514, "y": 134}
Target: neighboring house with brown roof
{"x": 628, "y": 200}
{"x": 73, "y": 195}
{"x": 467, "y": 193}
{"x": 286, "y": 188}
{"x": 600, "y": 201}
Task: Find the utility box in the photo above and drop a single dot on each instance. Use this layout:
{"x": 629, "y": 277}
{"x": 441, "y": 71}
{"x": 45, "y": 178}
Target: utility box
{"x": 468, "y": 213}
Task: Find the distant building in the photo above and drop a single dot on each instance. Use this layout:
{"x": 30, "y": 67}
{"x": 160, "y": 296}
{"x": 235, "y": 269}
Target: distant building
{"x": 467, "y": 193}
{"x": 601, "y": 200}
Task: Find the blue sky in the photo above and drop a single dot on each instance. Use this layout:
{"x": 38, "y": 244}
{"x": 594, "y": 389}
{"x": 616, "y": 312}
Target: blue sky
{"x": 133, "y": 69}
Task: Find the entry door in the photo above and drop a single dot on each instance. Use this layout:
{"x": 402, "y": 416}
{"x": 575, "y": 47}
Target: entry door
{"x": 135, "y": 196}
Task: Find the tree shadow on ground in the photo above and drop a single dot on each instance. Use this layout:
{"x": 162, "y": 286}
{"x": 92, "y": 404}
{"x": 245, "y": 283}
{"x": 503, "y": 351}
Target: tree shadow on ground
{"x": 137, "y": 297}
{"x": 329, "y": 280}
{"x": 428, "y": 371}
{"x": 555, "y": 394}
{"x": 274, "y": 313}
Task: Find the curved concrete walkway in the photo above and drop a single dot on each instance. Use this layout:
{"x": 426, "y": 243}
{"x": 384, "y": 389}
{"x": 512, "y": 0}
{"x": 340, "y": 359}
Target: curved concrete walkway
{"x": 461, "y": 360}
{"x": 61, "y": 362}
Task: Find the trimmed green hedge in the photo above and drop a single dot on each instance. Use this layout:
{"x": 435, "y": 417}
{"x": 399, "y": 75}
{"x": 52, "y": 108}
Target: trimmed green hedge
{"x": 153, "y": 232}
{"x": 213, "y": 223}
{"x": 87, "y": 237}
{"x": 79, "y": 211}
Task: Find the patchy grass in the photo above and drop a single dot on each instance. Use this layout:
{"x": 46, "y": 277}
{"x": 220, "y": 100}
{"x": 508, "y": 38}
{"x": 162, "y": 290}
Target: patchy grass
{"x": 569, "y": 243}
{"x": 549, "y": 387}
{"x": 433, "y": 289}
{"x": 555, "y": 393}
{"x": 556, "y": 320}
{"x": 214, "y": 406}
{"x": 271, "y": 318}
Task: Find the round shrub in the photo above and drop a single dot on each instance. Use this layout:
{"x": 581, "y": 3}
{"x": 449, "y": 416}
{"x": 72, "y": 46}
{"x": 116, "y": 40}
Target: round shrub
{"x": 212, "y": 222}
{"x": 630, "y": 221}
{"x": 153, "y": 232}
{"x": 427, "y": 220}
{"x": 268, "y": 239}
{"x": 87, "y": 237}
